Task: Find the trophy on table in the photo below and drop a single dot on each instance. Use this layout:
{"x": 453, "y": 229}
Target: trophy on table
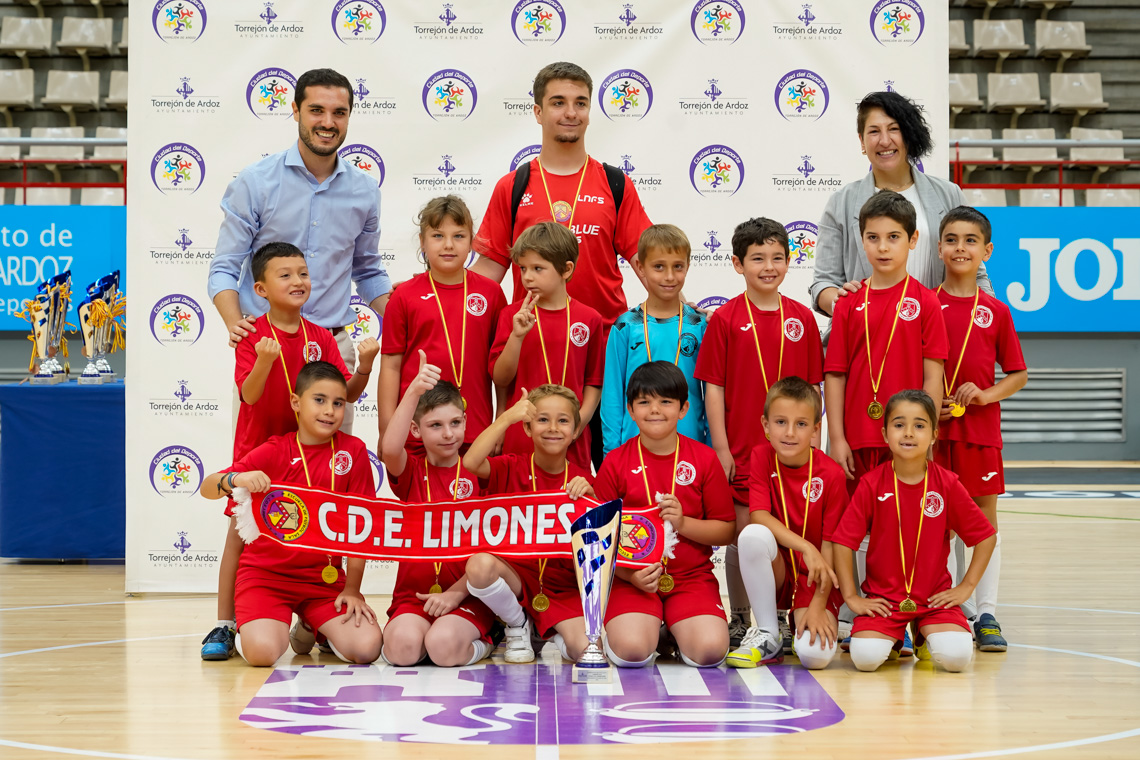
{"x": 100, "y": 324}
{"x": 47, "y": 314}
{"x": 594, "y": 537}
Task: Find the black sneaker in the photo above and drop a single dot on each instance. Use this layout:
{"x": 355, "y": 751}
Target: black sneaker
{"x": 219, "y": 644}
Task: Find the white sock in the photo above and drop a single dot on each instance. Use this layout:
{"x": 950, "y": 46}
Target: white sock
{"x": 987, "y": 590}
{"x": 757, "y": 552}
{"x": 479, "y": 650}
{"x": 737, "y": 592}
{"x": 869, "y": 654}
{"x": 227, "y": 624}
{"x": 561, "y": 644}
{"x": 691, "y": 664}
{"x": 626, "y": 663}
{"x": 814, "y": 656}
{"x": 501, "y": 600}
{"x": 953, "y": 650}
{"x": 237, "y": 646}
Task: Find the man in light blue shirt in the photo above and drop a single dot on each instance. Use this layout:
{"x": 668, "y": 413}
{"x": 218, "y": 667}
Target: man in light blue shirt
{"x": 308, "y": 196}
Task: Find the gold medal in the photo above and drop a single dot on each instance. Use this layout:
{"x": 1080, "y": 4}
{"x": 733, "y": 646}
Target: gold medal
{"x": 435, "y": 589}
{"x": 875, "y": 410}
{"x": 329, "y": 574}
{"x": 540, "y": 602}
{"x": 665, "y": 584}
{"x": 956, "y": 409}
{"x": 908, "y": 605}
{"x": 562, "y": 212}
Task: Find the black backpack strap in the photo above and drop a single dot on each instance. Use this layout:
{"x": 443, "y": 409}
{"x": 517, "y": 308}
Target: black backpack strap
{"x": 616, "y": 178}
{"x": 522, "y": 178}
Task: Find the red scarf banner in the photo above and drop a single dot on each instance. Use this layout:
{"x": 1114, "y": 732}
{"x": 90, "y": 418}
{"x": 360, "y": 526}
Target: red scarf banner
{"x": 522, "y": 525}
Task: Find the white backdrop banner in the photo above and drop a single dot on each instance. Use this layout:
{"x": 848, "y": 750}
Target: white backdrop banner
{"x": 718, "y": 111}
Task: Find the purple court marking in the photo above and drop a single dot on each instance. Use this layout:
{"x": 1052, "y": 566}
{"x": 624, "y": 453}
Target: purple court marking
{"x": 518, "y": 704}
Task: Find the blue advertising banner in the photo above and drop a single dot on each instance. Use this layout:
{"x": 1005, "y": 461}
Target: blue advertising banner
{"x": 1067, "y": 269}
{"x": 38, "y": 242}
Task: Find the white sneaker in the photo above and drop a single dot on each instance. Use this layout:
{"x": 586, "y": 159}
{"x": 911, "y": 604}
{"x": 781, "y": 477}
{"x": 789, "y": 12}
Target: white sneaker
{"x": 301, "y": 638}
{"x": 518, "y": 646}
{"x": 785, "y": 632}
{"x": 758, "y": 648}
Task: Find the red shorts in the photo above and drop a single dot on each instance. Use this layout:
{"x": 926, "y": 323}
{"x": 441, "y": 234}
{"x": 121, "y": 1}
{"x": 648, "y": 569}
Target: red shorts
{"x": 740, "y": 493}
{"x": 797, "y": 595}
{"x": 260, "y": 594}
{"x": 558, "y": 584}
{"x": 417, "y": 578}
{"x": 979, "y": 468}
{"x": 866, "y": 459}
{"x": 694, "y": 593}
{"x": 895, "y": 625}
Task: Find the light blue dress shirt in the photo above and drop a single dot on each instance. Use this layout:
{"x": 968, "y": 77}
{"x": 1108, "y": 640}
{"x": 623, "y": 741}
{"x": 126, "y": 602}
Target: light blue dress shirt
{"x": 335, "y": 222}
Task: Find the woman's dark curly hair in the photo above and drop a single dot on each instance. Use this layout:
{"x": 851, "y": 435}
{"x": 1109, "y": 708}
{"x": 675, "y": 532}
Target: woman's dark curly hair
{"x": 915, "y": 130}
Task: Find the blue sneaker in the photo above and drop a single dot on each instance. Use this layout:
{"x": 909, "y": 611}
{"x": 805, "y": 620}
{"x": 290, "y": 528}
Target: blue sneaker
{"x": 987, "y": 634}
{"x": 845, "y": 644}
{"x": 219, "y": 644}
{"x": 907, "y": 649}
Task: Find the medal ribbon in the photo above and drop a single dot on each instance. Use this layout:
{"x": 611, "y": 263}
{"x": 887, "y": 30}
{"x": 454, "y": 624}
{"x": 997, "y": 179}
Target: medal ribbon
{"x": 680, "y": 322}
{"x": 756, "y": 340}
{"x": 285, "y": 368}
{"x": 447, "y": 335}
{"x": 542, "y": 343}
{"x": 867, "y": 330}
{"x": 305, "y": 462}
{"x": 534, "y": 488}
{"x": 549, "y": 202}
{"x": 909, "y": 582}
{"x": 973, "y": 315}
{"x": 645, "y": 479}
{"x": 807, "y": 507}
{"x": 454, "y": 486}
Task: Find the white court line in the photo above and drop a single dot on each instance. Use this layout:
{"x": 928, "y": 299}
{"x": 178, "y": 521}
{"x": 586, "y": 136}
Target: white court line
{"x": 99, "y": 604}
{"x": 98, "y": 643}
{"x": 1067, "y": 609}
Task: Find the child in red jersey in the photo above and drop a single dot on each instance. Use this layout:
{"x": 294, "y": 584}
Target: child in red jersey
{"x": 549, "y": 416}
{"x": 549, "y": 337}
{"x": 265, "y": 372}
{"x": 752, "y": 341}
{"x": 447, "y": 312}
{"x": 890, "y": 336}
{"x": 910, "y": 506}
{"x": 980, "y": 329}
{"x": 797, "y": 496}
{"x": 432, "y": 613}
{"x": 687, "y": 482}
{"x": 273, "y": 581}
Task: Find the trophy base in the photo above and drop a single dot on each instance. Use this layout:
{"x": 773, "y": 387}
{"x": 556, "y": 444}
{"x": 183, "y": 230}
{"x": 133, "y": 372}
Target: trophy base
{"x": 107, "y": 377}
{"x": 91, "y": 380}
{"x": 43, "y": 380}
{"x": 592, "y": 674}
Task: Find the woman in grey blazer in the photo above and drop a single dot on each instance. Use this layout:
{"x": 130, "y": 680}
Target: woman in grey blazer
{"x": 894, "y": 136}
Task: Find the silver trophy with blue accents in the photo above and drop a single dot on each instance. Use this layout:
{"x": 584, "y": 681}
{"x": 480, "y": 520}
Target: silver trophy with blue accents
{"x": 594, "y": 537}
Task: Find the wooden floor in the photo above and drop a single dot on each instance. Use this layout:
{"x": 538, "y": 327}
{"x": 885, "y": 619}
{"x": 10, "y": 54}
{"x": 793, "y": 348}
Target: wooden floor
{"x": 85, "y": 672}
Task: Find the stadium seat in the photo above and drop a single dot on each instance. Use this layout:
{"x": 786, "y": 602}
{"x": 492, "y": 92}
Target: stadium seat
{"x": 9, "y": 152}
{"x": 963, "y": 94}
{"x": 999, "y": 38}
{"x": 117, "y": 93}
{"x": 1061, "y": 40}
{"x": 112, "y": 151}
{"x": 1029, "y": 154}
{"x": 1014, "y": 93}
{"x": 1078, "y": 94}
{"x": 17, "y": 90}
{"x": 58, "y": 152}
{"x": 1044, "y": 5}
{"x": 70, "y": 91}
{"x": 968, "y": 155}
{"x": 86, "y": 36}
{"x": 123, "y": 36}
{"x": 989, "y": 5}
{"x": 984, "y": 196}
{"x": 46, "y": 196}
{"x": 1112, "y": 196}
{"x": 1045, "y": 196}
{"x": 26, "y": 36}
{"x": 101, "y": 196}
{"x": 1097, "y": 153}
{"x": 958, "y": 46}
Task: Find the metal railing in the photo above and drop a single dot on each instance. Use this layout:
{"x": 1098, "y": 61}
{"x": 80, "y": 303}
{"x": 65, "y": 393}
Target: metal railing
{"x": 23, "y": 163}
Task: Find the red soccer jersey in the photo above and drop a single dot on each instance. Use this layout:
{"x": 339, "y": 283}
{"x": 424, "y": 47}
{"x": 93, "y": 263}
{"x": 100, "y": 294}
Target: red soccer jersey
{"x": 272, "y": 414}
{"x": 948, "y": 509}
{"x": 601, "y": 230}
{"x": 920, "y": 334}
{"x": 828, "y": 495}
{"x": 412, "y": 322}
{"x": 992, "y": 341}
{"x": 280, "y": 458}
{"x": 584, "y": 365}
{"x": 510, "y": 473}
{"x": 728, "y": 358}
{"x": 701, "y": 487}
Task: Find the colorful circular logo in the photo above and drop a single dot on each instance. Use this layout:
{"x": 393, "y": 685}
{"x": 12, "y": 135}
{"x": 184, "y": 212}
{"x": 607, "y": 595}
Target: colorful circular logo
{"x": 269, "y": 93}
{"x": 717, "y": 22}
{"x": 538, "y": 23}
{"x": 638, "y": 537}
{"x": 366, "y": 159}
{"x": 179, "y": 20}
{"x": 716, "y": 170}
{"x": 909, "y": 309}
{"x": 712, "y": 303}
{"x": 801, "y": 94}
{"x": 177, "y": 320}
{"x": 579, "y": 334}
{"x": 285, "y": 514}
{"x": 897, "y": 22}
{"x": 377, "y": 470}
{"x": 934, "y": 504}
{"x": 525, "y": 155}
{"x": 802, "y": 237}
{"x": 177, "y": 168}
{"x": 625, "y": 94}
{"x": 358, "y": 21}
{"x": 368, "y": 323}
{"x": 983, "y": 317}
{"x": 176, "y": 471}
{"x": 449, "y": 94}
{"x": 686, "y": 473}
{"x": 793, "y": 329}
